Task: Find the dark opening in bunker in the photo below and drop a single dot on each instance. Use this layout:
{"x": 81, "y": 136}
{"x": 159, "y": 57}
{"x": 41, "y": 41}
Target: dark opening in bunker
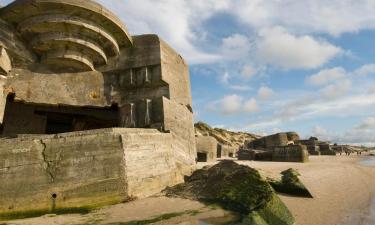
{"x": 218, "y": 154}
{"x": 202, "y": 157}
{"x": 21, "y": 118}
{"x": 54, "y": 195}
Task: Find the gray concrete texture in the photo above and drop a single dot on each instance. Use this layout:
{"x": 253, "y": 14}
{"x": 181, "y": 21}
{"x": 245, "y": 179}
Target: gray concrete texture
{"x": 206, "y": 148}
{"x": 290, "y": 153}
{"x": 95, "y": 167}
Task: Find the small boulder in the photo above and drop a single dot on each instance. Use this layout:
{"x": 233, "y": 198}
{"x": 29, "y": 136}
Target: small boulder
{"x": 290, "y": 184}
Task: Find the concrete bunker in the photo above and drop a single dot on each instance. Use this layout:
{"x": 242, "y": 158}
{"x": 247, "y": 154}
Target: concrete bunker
{"x": 83, "y": 104}
{"x": 206, "y": 148}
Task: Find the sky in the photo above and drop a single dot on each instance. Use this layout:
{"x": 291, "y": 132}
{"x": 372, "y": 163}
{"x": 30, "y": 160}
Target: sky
{"x": 265, "y": 66}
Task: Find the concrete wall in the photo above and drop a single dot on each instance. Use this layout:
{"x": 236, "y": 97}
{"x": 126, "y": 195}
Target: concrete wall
{"x": 292, "y": 136}
{"x": 291, "y": 153}
{"x": 207, "y": 145}
{"x": 280, "y": 139}
{"x": 268, "y": 142}
{"x": 175, "y": 72}
{"x": 179, "y": 121}
{"x": 84, "y": 168}
{"x": 228, "y": 151}
{"x": 75, "y": 89}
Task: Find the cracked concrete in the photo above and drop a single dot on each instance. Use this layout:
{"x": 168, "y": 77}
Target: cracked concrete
{"x": 47, "y": 163}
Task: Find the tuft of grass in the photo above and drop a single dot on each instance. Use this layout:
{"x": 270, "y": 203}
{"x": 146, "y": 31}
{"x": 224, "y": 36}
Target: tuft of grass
{"x": 158, "y": 218}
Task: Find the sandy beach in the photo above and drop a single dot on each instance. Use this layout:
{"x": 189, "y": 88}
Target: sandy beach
{"x": 343, "y": 191}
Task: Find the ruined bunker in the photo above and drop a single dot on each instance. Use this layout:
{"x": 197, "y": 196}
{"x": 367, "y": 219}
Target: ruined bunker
{"x": 206, "y": 149}
{"x": 89, "y": 114}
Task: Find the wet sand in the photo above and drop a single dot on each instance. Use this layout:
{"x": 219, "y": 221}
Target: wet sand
{"x": 342, "y": 188}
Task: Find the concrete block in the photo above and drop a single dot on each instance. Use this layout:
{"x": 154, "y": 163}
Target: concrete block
{"x": 206, "y": 149}
{"x": 291, "y": 153}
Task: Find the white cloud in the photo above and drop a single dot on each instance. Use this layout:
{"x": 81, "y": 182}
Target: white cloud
{"x": 248, "y": 72}
{"x": 319, "y": 16}
{"x": 326, "y": 76}
{"x": 233, "y": 104}
{"x": 265, "y": 93}
{"x": 250, "y": 106}
{"x": 225, "y": 80}
{"x": 319, "y": 131}
{"x": 275, "y": 46}
{"x": 367, "y": 124}
{"x": 337, "y": 89}
{"x": 365, "y": 70}
{"x": 235, "y": 47}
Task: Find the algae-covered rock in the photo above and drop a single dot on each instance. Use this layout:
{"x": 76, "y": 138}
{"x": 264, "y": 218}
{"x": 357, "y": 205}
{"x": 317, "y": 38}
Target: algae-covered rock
{"x": 291, "y": 184}
{"x": 238, "y": 188}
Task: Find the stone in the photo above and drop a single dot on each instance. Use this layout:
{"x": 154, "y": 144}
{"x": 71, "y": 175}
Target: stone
{"x": 290, "y": 184}
{"x": 206, "y": 149}
{"x": 235, "y": 187}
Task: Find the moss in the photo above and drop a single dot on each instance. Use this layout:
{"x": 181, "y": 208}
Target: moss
{"x": 244, "y": 193}
{"x": 276, "y": 213}
{"x": 36, "y": 213}
{"x": 253, "y": 219}
{"x": 290, "y": 184}
{"x": 84, "y": 209}
{"x": 158, "y": 218}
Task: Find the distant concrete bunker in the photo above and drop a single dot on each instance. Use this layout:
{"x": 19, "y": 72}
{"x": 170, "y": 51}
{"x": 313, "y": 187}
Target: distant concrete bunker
{"x": 88, "y": 113}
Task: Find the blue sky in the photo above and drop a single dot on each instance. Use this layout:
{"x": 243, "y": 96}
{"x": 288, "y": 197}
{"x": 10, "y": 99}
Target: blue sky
{"x": 265, "y": 66}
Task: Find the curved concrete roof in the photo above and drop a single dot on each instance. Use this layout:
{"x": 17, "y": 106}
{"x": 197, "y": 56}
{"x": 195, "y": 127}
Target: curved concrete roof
{"x": 82, "y": 26}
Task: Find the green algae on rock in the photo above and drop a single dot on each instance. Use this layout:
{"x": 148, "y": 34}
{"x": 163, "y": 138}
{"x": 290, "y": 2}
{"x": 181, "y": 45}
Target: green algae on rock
{"x": 237, "y": 188}
{"x": 290, "y": 184}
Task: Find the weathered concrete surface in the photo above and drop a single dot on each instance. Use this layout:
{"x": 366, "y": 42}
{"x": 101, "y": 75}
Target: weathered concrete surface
{"x": 268, "y": 142}
{"x": 293, "y": 136}
{"x": 84, "y": 168}
{"x": 290, "y": 153}
{"x": 206, "y": 148}
{"x": 228, "y": 151}
{"x": 5, "y": 63}
{"x": 53, "y": 26}
{"x": 326, "y": 149}
{"x": 78, "y": 89}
